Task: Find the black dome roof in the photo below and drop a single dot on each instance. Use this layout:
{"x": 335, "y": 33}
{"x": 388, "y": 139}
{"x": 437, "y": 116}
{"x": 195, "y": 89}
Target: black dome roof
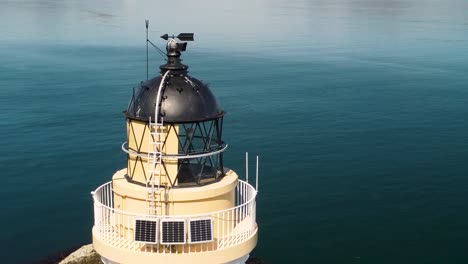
{"x": 184, "y": 99}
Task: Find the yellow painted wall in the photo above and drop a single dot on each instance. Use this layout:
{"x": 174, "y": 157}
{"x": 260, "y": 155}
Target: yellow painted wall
{"x": 138, "y": 138}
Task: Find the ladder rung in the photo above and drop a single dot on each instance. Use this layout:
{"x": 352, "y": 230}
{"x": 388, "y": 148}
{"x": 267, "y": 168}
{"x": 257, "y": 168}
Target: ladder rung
{"x": 156, "y": 124}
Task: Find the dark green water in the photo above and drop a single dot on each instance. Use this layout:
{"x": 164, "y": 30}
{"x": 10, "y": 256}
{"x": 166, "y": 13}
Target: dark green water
{"x": 357, "y": 108}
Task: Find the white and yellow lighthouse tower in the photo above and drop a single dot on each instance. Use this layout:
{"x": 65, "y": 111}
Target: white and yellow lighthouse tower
{"x": 175, "y": 202}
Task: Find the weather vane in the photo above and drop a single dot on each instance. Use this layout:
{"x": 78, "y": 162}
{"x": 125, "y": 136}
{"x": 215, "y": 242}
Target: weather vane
{"x": 172, "y": 42}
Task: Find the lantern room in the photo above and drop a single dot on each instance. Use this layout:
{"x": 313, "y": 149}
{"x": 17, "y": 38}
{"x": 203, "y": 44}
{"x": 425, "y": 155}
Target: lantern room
{"x": 190, "y": 128}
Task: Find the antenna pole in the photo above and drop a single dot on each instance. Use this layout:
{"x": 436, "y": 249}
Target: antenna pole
{"x": 147, "y": 24}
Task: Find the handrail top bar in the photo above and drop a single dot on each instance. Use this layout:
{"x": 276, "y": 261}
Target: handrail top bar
{"x": 139, "y": 154}
{"x": 99, "y": 203}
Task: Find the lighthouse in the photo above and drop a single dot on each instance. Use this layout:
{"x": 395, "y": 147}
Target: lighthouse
{"x": 176, "y": 201}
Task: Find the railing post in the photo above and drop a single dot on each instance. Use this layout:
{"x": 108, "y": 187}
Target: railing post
{"x": 256, "y": 176}
{"x": 247, "y": 167}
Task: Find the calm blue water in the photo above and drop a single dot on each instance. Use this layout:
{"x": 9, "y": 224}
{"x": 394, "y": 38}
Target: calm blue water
{"x": 357, "y": 108}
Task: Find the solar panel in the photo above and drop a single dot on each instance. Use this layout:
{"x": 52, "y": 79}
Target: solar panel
{"x": 200, "y": 230}
{"x": 146, "y": 231}
{"x": 173, "y": 231}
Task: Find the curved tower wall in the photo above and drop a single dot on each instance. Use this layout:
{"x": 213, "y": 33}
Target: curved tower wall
{"x": 182, "y": 201}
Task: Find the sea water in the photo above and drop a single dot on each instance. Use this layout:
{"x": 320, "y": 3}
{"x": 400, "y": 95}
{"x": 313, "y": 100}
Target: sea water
{"x": 357, "y": 109}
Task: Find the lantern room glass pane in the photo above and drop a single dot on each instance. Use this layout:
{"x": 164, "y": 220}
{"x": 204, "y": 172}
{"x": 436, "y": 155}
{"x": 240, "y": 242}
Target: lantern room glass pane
{"x": 200, "y": 138}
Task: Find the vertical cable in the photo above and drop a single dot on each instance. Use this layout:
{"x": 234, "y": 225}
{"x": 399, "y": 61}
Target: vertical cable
{"x": 147, "y": 24}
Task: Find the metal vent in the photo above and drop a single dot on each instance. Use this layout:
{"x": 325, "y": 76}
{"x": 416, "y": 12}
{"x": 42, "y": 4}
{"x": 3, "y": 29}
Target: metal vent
{"x": 173, "y": 231}
{"x": 146, "y": 231}
{"x": 200, "y": 230}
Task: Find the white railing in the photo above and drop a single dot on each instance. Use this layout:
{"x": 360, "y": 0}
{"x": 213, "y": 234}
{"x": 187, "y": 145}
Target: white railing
{"x": 230, "y": 226}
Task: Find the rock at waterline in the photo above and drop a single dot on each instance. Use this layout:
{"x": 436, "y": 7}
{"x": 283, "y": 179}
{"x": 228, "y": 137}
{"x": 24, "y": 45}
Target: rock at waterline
{"x": 84, "y": 255}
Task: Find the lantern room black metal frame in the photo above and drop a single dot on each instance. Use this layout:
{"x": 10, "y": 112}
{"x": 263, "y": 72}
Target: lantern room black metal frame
{"x": 203, "y": 140}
